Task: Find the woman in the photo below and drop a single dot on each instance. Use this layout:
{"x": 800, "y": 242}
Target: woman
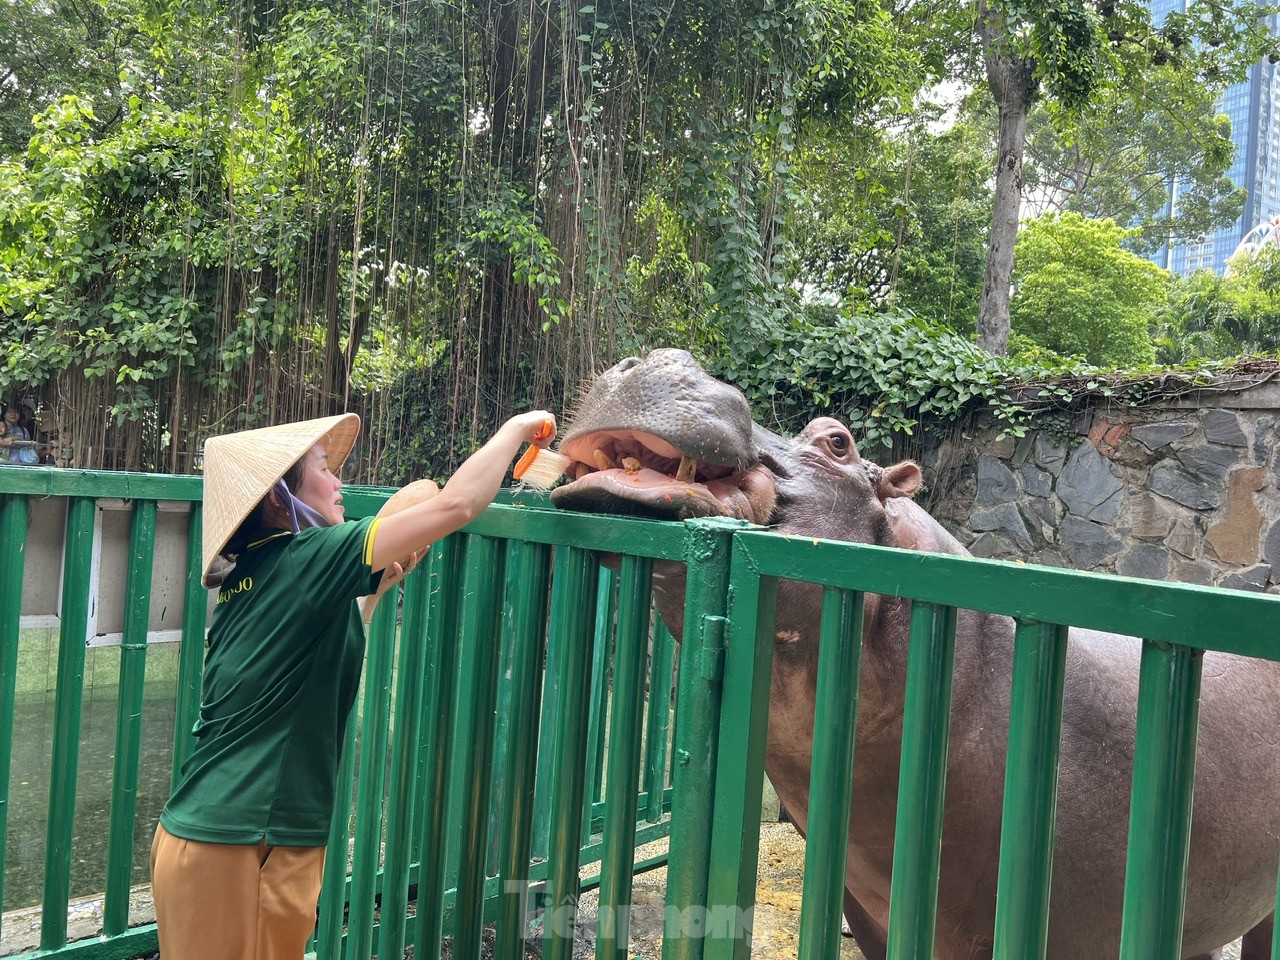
{"x": 237, "y": 858}
{"x": 20, "y": 452}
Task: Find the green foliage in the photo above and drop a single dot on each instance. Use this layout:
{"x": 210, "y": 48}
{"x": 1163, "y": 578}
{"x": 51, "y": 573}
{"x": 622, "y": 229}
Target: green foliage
{"x": 1212, "y": 317}
{"x": 1079, "y": 291}
{"x": 1117, "y": 160}
{"x": 886, "y": 374}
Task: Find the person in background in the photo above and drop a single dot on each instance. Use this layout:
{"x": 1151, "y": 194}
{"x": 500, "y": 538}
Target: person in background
{"x": 238, "y": 856}
{"x": 16, "y": 438}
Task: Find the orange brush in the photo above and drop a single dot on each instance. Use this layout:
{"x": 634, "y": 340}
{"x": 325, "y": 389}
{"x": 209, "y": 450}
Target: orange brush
{"x": 540, "y": 468}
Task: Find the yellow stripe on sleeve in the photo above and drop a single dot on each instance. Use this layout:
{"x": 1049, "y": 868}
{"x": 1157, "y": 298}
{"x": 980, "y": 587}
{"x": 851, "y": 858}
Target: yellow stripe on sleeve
{"x": 368, "y": 542}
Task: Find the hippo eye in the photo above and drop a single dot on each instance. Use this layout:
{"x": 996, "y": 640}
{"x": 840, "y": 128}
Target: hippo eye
{"x": 839, "y": 442}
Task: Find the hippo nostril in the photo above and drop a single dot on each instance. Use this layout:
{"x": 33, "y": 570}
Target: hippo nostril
{"x": 622, "y": 366}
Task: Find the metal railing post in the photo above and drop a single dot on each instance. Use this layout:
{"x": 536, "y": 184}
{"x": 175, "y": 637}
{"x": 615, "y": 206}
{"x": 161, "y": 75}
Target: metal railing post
{"x": 1164, "y": 763}
{"x": 13, "y": 546}
{"x": 702, "y": 646}
{"x": 1030, "y": 791}
{"x": 133, "y": 665}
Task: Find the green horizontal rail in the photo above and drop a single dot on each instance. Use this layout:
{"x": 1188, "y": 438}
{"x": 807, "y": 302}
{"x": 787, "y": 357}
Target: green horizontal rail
{"x": 1230, "y": 621}
{"x": 60, "y": 482}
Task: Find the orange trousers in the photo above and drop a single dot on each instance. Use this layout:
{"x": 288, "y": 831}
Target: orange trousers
{"x": 217, "y": 901}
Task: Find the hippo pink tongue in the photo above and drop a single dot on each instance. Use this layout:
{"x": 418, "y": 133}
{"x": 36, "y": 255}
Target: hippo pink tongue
{"x": 658, "y": 494}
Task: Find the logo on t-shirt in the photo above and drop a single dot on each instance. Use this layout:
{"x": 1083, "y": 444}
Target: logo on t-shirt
{"x": 244, "y": 586}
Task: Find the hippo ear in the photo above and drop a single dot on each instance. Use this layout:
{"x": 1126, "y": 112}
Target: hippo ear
{"x": 900, "y": 480}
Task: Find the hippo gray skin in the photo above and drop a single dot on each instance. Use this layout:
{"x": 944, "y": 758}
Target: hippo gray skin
{"x": 644, "y": 422}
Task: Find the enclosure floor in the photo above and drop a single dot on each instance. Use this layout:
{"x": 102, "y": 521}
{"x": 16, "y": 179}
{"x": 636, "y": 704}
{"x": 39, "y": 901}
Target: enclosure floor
{"x": 777, "y": 917}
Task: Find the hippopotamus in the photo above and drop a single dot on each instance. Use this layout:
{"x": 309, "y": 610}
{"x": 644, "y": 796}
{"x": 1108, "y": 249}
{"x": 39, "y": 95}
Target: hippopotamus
{"x": 658, "y": 437}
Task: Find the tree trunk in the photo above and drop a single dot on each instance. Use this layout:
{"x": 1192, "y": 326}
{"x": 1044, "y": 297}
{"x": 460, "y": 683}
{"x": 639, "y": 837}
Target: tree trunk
{"x": 1013, "y": 84}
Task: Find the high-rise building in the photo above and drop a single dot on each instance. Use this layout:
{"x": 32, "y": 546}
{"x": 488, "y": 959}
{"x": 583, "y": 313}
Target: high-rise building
{"x": 1255, "y": 131}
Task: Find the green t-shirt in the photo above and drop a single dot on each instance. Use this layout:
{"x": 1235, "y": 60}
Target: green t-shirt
{"x": 281, "y": 673}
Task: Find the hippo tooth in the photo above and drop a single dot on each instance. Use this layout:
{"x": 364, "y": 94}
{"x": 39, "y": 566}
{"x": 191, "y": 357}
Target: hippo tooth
{"x": 580, "y": 471}
{"x": 688, "y": 469}
{"x": 631, "y": 464}
{"x": 603, "y": 461}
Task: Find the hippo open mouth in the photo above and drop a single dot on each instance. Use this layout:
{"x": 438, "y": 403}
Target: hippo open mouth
{"x": 640, "y": 473}
{"x": 660, "y": 438}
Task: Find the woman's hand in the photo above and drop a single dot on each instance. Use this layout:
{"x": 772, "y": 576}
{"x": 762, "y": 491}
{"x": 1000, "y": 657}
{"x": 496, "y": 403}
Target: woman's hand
{"x": 392, "y": 574}
{"x": 396, "y": 572}
{"x": 526, "y": 426}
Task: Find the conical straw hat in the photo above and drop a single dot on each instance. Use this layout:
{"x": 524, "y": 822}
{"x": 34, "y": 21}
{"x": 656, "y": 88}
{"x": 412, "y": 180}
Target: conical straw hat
{"x": 241, "y": 468}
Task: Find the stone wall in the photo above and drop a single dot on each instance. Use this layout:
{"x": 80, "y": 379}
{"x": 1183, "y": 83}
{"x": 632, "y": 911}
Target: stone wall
{"x": 1188, "y": 492}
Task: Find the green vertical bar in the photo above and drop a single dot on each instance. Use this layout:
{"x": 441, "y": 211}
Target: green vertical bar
{"x": 502, "y": 731}
{"x": 1164, "y": 760}
{"x": 531, "y": 564}
{"x": 926, "y": 722}
{"x": 543, "y": 801}
{"x": 333, "y": 893}
{"x": 371, "y": 776}
{"x": 735, "y": 836}
{"x": 624, "y": 759}
{"x": 831, "y": 779}
{"x": 697, "y": 728}
{"x": 133, "y": 665}
{"x": 1030, "y": 791}
{"x": 66, "y": 726}
{"x": 437, "y": 715}
{"x": 658, "y": 723}
{"x": 599, "y": 687}
{"x": 13, "y": 547}
{"x": 570, "y": 648}
{"x": 481, "y": 624}
{"x": 191, "y": 656}
{"x": 404, "y": 756}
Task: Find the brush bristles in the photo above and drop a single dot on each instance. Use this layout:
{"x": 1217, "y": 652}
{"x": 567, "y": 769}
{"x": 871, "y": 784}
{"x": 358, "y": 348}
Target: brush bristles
{"x": 547, "y": 467}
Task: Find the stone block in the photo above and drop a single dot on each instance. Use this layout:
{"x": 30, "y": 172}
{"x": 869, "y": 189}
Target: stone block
{"x": 1234, "y": 538}
{"x": 993, "y": 546}
{"x": 1146, "y": 560}
{"x": 1263, "y": 435}
{"x": 996, "y": 483}
{"x": 1035, "y": 481}
{"x": 1036, "y": 523}
{"x": 1090, "y": 485}
{"x": 1050, "y": 558}
{"x": 1048, "y": 509}
{"x": 1002, "y": 518}
{"x": 1150, "y": 517}
{"x": 1271, "y": 545}
{"x": 1089, "y": 545}
{"x": 1171, "y": 480}
{"x": 1026, "y": 446}
{"x": 1051, "y": 456}
{"x": 1002, "y": 448}
{"x": 1223, "y": 426}
{"x": 1153, "y": 436}
{"x": 1254, "y": 578}
{"x": 1209, "y": 460}
{"x": 1191, "y": 571}
{"x": 1185, "y": 538}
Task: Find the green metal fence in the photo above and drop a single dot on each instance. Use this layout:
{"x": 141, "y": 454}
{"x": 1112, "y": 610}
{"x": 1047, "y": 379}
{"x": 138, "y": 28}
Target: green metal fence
{"x": 483, "y": 781}
{"x": 1178, "y": 623}
{"x": 486, "y": 777}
